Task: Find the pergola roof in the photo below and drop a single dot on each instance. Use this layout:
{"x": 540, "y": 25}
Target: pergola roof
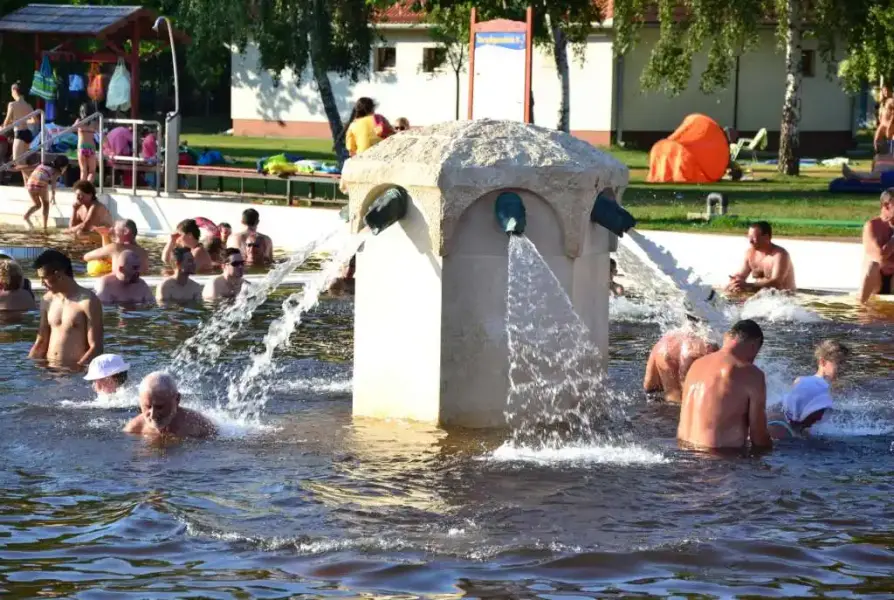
{"x": 80, "y": 21}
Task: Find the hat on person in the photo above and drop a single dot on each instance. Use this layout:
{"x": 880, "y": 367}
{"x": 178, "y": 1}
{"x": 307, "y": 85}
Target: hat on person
{"x": 105, "y": 365}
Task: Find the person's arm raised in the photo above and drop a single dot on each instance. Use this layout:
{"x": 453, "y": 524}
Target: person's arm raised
{"x": 42, "y": 343}
{"x": 757, "y": 412}
{"x": 167, "y": 255}
{"x": 94, "y": 330}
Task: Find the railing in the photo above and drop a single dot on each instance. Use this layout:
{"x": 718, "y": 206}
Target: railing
{"x": 134, "y": 159}
{"x": 30, "y": 116}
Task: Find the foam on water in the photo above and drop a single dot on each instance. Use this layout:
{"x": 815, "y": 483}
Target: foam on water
{"x": 625, "y": 308}
{"x": 123, "y": 398}
{"x": 230, "y": 426}
{"x": 631, "y": 454}
{"x": 772, "y": 306}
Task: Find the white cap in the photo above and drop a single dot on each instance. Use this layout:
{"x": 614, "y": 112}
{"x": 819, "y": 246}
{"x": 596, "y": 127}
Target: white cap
{"x": 105, "y": 365}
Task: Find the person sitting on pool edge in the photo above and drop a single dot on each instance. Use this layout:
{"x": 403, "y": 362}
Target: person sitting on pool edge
{"x": 188, "y": 236}
{"x": 161, "y": 414}
{"x": 88, "y": 214}
{"x": 878, "y": 250}
{"x": 124, "y": 286}
{"x": 13, "y": 294}
{"x": 107, "y": 373}
{"x": 770, "y": 265}
{"x": 102, "y": 260}
{"x": 670, "y": 360}
{"x": 725, "y": 395}
{"x": 256, "y": 248}
{"x": 180, "y": 288}
{"x": 809, "y": 400}
{"x": 230, "y": 283}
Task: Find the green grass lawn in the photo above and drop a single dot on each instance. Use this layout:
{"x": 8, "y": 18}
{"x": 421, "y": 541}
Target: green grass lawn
{"x": 796, "y": 206}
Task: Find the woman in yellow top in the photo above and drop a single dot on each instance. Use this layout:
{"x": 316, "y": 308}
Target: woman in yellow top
{"x": 366, "y": 128}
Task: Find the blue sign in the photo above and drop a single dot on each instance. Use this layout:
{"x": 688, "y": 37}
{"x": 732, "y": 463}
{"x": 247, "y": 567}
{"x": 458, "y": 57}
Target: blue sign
{"x": 513, "y": 40}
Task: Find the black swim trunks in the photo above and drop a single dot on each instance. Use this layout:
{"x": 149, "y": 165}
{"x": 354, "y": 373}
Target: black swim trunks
{"x": 25, "y": 135}
{"x": 886, "y": 285}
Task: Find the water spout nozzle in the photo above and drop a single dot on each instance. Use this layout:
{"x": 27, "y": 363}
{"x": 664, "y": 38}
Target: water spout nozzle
{"x": 608, "y": 213}
{"x": 386, "y": 210}
{"x": 510, "y": 212}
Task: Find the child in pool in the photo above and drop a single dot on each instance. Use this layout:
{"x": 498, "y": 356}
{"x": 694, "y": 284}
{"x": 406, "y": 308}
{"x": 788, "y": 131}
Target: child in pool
{"x": 809, "y": 399}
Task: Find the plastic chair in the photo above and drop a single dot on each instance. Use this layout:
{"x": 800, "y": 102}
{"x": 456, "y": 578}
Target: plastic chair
{"x": 753, "y": 145}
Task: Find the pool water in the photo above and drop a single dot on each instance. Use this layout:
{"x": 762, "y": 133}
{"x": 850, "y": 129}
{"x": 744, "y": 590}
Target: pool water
{"x": 308, "y": 501}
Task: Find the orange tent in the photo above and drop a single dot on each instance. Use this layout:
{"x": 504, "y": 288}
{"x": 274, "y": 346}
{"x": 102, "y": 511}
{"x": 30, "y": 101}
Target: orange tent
{"x": 697, "y": 152}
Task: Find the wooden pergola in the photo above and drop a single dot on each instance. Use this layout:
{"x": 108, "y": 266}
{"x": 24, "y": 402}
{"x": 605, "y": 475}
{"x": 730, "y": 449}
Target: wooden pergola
{"x": 56, "y": 28}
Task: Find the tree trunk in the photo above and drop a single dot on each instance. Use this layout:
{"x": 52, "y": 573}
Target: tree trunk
{"x": 330, "y": 107}
{"x": 560, "y": 53}
{"x": 789, "y": 138}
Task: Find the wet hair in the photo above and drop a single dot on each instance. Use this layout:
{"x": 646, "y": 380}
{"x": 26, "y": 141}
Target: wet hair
{"x": 119, "y": 378}
{"x": 223, "y": 224}
{"x": 231, "y": 251}
{"x": 158, "y": 381}
{"x": 82, "y": 185}
{"x": 250, "y": 217}
{"x": 747, "y": 331}
{"x": 11, "y": 276}
{"x": 189, "y": 226}
{"x": 832, "y": 351}
{"x": 54, "y": 260}
{"x": 60, "y": 163}
{"x": 83, "y": 111}
{"x": 180, "y": 253}
{"x": 130, "y": 226}
{"x": 887, "y": 196}
{"x": 762, "y": 226}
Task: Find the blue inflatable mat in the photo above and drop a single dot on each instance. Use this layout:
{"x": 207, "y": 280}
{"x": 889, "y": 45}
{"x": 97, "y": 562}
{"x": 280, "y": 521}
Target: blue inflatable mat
{"x": 843, "y": 185}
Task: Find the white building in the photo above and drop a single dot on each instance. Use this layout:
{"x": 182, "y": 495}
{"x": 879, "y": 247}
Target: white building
{"x": 607, "y": 102}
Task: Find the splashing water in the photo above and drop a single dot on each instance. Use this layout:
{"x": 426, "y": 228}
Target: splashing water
{"x": 772, "y": 306}
{"x": 556, "y": 386}
{"x": 198, "y": 357}
{"x": 248, "y": 394}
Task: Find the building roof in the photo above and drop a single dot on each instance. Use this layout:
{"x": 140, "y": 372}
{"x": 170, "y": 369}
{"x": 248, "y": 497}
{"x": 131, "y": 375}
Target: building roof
{"x": 77, "y": 21}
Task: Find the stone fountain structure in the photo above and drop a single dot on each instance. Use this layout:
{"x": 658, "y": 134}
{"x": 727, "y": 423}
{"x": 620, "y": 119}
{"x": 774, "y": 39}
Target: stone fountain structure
{"x": 430, "y": 305}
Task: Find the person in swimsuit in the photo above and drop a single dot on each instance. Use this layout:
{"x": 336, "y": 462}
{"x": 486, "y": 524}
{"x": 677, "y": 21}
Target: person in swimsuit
{"x": 809, "y": 399}
{"x": 41, "y": 186}
{"x": 86, "y": 146}
{"x": 22, "y": 136}
{"x": 878, "y": 249}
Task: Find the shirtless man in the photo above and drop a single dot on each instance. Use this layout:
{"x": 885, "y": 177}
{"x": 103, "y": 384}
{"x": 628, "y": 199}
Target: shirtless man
{"x": 88, "y": 214}
{"x": 725, "y": 395}
{"x": 884, "y": 133}
{"x": 257, "y": 248}
{"x": 670, "y": 360}
{"x": 878, "y": 249}
{"x": 13, "y": 294}
{"x": 124, "y": 285}
{"x": 124, "y": 232}
{"x": 161, "y": 414}
{"x": 180, "y": 288}
{"x": 188, "y": 236}
{"x": 70, "y": 330}
{"x": 769, "y": 264}
{"x": 230, "y": 283}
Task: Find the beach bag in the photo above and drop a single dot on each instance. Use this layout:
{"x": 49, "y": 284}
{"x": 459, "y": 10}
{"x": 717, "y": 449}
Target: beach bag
{"x": 44, "y": 84}
{"x": 96, "y": 88}
{"x": 119, "y": 88}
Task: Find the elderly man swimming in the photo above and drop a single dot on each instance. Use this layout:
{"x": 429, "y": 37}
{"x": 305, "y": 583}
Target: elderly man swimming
{"x": 161, "y": 414}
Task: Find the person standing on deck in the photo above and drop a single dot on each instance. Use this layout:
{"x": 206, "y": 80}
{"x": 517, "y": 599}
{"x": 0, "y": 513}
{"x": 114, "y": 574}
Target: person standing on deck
{"x": 22, "y": 136}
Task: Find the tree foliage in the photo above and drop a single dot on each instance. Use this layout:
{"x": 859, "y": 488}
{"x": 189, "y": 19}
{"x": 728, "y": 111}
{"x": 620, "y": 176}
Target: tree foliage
{"x": 870, "y": 56}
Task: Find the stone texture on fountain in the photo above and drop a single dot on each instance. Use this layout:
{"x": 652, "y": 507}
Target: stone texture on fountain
{"x": 447, "y": 167}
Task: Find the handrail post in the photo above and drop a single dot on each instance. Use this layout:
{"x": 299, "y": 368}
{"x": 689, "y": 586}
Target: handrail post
{"x": 42, "y": 137}
{"x": 101, "y": 166}
{"x": 133, "y": 155}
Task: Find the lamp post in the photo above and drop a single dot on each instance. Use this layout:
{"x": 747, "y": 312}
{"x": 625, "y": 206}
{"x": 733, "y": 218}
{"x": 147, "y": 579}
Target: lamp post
{"x": 172, "y": 122}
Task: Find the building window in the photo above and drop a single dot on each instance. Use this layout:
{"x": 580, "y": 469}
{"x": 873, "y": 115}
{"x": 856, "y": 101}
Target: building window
{"x": 808, "y": 63}
{"x": 433, "y": 59}
{"x": 385, "y": 59}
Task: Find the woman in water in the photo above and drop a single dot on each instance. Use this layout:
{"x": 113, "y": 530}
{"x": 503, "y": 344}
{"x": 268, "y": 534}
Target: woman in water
{"x": 41, "y": 186}
{"x": 365, "y": 128}
{"x": 86, "y": 146}
{"x": 19, "y": 109}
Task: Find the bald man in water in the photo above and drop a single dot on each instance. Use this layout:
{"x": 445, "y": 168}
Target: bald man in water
{"x": 124, "y": 232}
{"x": 670, "y": 360}
{"x": 124, "y": 285}
{"x": 161, "y": 414}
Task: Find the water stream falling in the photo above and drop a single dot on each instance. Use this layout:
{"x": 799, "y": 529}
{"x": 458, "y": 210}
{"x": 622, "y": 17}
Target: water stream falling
{"x": 248, "y": 393}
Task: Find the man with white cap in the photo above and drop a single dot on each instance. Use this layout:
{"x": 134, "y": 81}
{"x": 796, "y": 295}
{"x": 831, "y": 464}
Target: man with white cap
{"x": 161, "y": 414}
{"x": 108, "y": 372}
{"x": 807, "y": 402}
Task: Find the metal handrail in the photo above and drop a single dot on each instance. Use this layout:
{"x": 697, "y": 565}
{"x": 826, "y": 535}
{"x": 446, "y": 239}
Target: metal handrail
{"x": 44, "y": 142}
{"x": 134, "y": 159}
{"x": 26, "y": 118}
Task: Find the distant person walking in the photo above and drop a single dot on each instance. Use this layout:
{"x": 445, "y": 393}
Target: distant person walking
{"x": 366, "y": 128}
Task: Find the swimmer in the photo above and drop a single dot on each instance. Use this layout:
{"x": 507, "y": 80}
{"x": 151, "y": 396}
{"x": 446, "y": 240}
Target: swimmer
{"x": 769, "y": 264}
{"x": 725, "y": 395}
{"x": 225, "y": 230}
{"x": 878, "y": 250}
{"x": 670, "y": 361}
{"x": 230, "y": 283}
{"x": 70, "y": 330}
{"x": 125, "y": 285}
{"x": 14, "y": 296}
{"x": 809, "y": 399}
{"x": 616, "y": 289}
{"x": 257, "y": 248}
{"x": 124, "y": 234}
{"x": 188, "y": 236}
{"x": 107, "y": 373}
{"x": 161, "y": 414}
{"x": 88, "y": 214}
{"x": 180, "y": 288}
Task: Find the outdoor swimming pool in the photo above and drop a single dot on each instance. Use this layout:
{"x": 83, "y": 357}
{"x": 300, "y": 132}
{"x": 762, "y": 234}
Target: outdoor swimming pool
{"x": 309, "y": 501}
